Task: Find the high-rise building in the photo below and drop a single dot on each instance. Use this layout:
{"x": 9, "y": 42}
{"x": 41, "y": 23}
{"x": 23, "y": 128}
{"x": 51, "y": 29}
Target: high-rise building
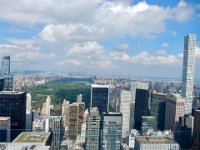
{"x": 188, "y": 71}
{"x": 174, "y": 109}
{"x": 148, "y": 123}
{"x": 141, "y": 106}
{"x": 157, "y": 109}
{"x": 112, "y": 131}
{"x": 28, "y": 111}
{"x": 125, "y": 106}
{"x": 196, "y": 131}
{"x": 8, "y": 82}
{"x": 92, "y": 141}
{"x": 183, "y": 132}
{"x": 65, "y": 113}
{"x": 56, "y": 128}
{"x": 100, "y": 97}
{"x": 5, "y": 66}
{"x": 4, "y": 129}
{"x": 13, "y": 104}
{"x": 47, "y": 107}
{"x": 133, "y": 87}
{"x": 76, "y": 116}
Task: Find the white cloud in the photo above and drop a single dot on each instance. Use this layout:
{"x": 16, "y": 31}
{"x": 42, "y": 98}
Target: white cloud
{"x": 113, "y": 19}
{"x": 71, "y": 32}
{"x": 87, "y": 55}
{"x": 24, "y": 53}
{"x": 122, "y": 47}
{"x": 144, "y": 57}
{"x": 182, "y": 12}
{"x": 165, "y": 45}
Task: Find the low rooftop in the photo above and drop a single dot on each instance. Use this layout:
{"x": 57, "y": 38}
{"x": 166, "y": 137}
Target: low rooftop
{"x": 32, "y": 137}
{"x": 154, "y": 140}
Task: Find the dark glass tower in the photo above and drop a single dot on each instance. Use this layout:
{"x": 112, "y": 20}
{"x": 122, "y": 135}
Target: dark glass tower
{"x": 13, "y": 104}
{"x": 100, "y": 97}
{"x": 158, "y": 103}
{"x": 5, "y": 67}
{"x": 141, "y": 106}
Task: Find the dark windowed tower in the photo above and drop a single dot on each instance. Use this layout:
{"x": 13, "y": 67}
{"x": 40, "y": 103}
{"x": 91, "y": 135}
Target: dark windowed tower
{"x": 13, "y": 104}
{"x": 5, "y": 67}
{"x": 158, "y": 103}
{"x": 141, "y": 106}
{"x": 100, "y": 97}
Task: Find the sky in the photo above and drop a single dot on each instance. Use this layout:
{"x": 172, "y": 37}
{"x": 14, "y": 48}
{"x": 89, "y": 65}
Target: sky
{"x": 105, "y": 37}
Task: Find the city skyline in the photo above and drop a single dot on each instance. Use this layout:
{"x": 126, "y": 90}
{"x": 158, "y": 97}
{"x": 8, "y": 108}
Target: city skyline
{"x": 91, "y": 37}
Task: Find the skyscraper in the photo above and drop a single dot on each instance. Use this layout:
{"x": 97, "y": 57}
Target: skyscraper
{"x": 13, "y": 104}
{"x": 5, "y": 66}
{"x": 93, "y": 130}
{"x": 188, "y": 71}
{"x": 5, "y": 129}
{"x": 133, "y": 87}
{"x": 157, "y": 109}
{"x": 28, "y": 111}
{"x": 196, "y": 131}
{"x": 125, "y": 103}
{"x": 112, "y": 131}
{"x": 100, "y": 97}
{"x": 141, "y": 106}
{"x": 174, "y": 109}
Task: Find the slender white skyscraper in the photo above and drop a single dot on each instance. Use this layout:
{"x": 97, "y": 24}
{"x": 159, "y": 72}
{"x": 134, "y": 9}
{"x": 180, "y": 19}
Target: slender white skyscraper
{"x": 188, "y": 71}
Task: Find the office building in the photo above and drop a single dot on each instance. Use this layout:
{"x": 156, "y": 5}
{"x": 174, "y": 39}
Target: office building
{"x": 174, "y": 109}
{"x": 46, "y": 109}
{"x": 133, "y": 87}
{"x": 188, "y": 71}
{"x": 148, "y": 123}
{"x": 76, "y": 116}
{"x": 92, "y": 141}
{"x": 1, "y": 83}
{"x": 79, "y": 98}
{"x": 112, "y": 131}
{"x": 28, "y": 111}
{"x": 100, "y": 97}
{"x": 155, "y": 143}
{"x": 13, "y": 105}
{"x": 157, "y": 109}
{"x": 125, "y": 106}
{"x": 8, "y": 83}
{"x": 39, "y": 124}
{"x": 5, "y": 123}
{"x": 5, "y": 66}
{"x": 141, "y": 106}
{"x": 56, "y": 128}
{"x": 65, "y": 112}
{"x": 196, "y": 131}
{"x": 183, "y": 132}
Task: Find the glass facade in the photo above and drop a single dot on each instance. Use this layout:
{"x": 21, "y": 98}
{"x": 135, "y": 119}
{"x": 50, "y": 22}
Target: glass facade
{"x": 13, "y": 104}
{"x": 158, "y": 103}
{"x": 5, "y": 66}
{"x": 188, "y": 71}
{"x": 100, "y": 97}
{"x": 112, "y": 131}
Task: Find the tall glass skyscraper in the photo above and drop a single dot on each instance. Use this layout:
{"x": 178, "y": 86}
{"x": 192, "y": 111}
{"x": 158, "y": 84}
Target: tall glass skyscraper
{"x": 188, "y": 71}
{"x": 100, "y": 97}
{"x": 5, "y": 66}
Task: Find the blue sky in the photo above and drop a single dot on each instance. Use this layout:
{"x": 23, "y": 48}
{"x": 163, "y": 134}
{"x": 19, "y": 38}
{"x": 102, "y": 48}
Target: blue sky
{"x": 109, "y": 37}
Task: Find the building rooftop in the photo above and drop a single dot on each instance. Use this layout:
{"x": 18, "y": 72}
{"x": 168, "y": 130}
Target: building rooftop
{"x": 154, "y": 140}
{"x": 11, "y": 92}
{"x": 32, "y": 137}
{"x": 99, "y": 86}
{"x": 4, "y": 118}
